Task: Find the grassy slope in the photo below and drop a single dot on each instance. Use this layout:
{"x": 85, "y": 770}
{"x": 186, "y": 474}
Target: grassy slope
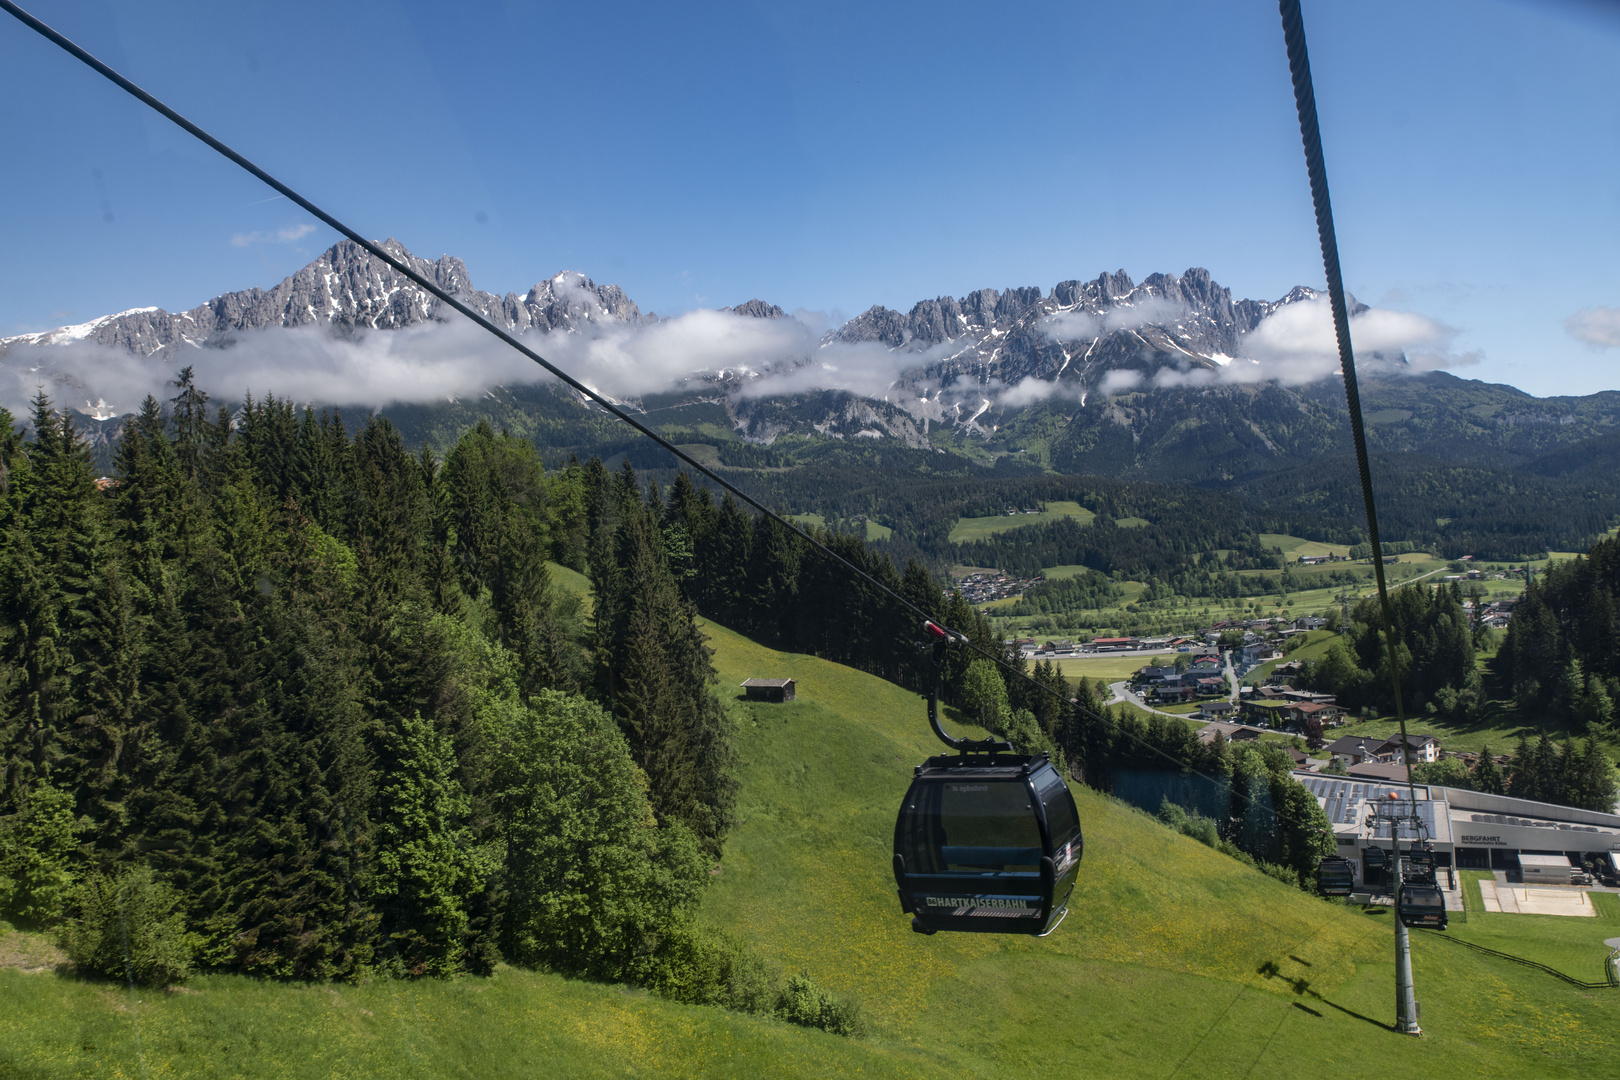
{"x": 978, "y": 528}
{"x": 516, "y": 1024}
{"x": 1498, "y": 726}
{"x": 1317, "y": 643}
{"x": 1571, "y": 945}
{"x": 1295, "y": 546}
{"x": 1172, "y": 956}
{"x": 1165, "y": 953}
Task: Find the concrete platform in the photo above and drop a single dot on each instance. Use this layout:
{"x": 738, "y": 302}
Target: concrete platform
{"x": 1533, "y": 900}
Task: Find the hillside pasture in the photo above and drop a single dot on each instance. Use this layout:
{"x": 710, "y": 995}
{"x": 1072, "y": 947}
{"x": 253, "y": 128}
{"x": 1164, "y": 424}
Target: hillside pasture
{"x": 1175, "y": 960}
{"x": 1295, "y": 546}
{"x": 977, "y": 528}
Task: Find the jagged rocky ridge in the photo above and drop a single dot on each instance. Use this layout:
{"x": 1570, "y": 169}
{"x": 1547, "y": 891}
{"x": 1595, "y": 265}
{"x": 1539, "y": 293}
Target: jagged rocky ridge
{"x": 969, "y": 352}
{"x": 349, "y": 288}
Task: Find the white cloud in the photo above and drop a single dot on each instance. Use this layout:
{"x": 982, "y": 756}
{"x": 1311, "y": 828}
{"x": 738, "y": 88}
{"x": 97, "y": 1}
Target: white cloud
{"x": 1597, "y": 326}
{"x": 1083, "y": 326}
{"x": 1118, "y": 379}
{"x": 1296, "y": 343}
{"x": 867, "y": 368}
{"x": 430, "y": 362}
{"x": 287, "y": 234}
{"x": 1030, "y": 389}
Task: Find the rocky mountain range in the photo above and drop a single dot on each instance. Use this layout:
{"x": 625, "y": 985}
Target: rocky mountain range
{"x": 1076, "y": 331}
{"x": 959, "y": 372}
{"x": 348, "y": 288}
{"x": 1079, "y": 330}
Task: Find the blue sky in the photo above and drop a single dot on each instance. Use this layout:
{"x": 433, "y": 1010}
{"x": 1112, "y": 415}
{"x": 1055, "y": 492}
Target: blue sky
{"x": 831, "y": 156}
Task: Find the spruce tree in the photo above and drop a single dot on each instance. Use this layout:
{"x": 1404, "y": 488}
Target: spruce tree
{"x": 654, "y": 674}
{"x": 1487, "y": 774}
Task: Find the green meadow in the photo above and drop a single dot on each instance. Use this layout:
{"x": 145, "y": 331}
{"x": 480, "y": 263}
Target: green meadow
{"x": 1295, "y": 546}
{"x": 1174, "y": 961}
{"x": 978, "y": 528}
{"x": 1109, "y": 669}
{"x": 874, "y": 531}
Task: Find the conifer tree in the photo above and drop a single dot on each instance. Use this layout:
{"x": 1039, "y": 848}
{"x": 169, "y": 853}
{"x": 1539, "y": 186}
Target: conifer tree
{"x": 653, "y": 672}
{"x": 1487, "y": 774}
{"x": 427, "y": 862}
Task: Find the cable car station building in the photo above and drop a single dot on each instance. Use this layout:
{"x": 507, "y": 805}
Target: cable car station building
{"x": 1468, "y": 830}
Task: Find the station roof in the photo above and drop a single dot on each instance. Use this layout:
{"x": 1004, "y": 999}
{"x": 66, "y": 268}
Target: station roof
{"x": 1451, "y": 816}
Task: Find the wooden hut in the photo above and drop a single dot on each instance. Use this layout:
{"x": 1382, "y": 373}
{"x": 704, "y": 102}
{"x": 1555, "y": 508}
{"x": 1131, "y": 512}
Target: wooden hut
{"x": 768, "y": 689}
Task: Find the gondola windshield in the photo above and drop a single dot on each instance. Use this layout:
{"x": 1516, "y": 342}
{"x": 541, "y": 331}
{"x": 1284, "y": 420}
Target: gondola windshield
{"x": 971, "y": 826}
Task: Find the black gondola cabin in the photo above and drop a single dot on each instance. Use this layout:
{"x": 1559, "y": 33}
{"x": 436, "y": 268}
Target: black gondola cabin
{"x": 1422, "y": 905}
{"x": 987, "y": 844}
{"x": 1336, "y": 876}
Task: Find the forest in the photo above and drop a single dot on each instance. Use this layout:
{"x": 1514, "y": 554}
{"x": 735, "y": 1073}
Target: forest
{"x": 1563, "y": 646}
{"x": 1435, "y": 650}
{"x": 289, "y": 700}
{"x": 1434, "y": 653}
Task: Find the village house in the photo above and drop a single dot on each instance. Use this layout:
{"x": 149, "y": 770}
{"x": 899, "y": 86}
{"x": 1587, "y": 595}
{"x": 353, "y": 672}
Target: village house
{"x": 1296, "y": 714}
{"x": 1230, "y": 731}
{"x": 1153, "y": 676}
{"x": 1285, "y": 673}
{"x": 1423, "y": 749}
{"x": 1259, "y": 653}
{"x": 1354, "y": 749}
{"x": 1262, "y": 713}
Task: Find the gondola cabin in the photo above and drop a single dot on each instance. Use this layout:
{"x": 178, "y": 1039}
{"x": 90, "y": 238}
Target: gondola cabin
{"x": 1422, "y": 905}
{"x": 1374, "y": 861}
{"x": 1336, "y": 876}
{"x": 987, "y": 844}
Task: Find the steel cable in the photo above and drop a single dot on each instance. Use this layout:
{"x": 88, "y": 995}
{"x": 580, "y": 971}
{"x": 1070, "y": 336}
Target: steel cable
{"x": 1299, "y": 67}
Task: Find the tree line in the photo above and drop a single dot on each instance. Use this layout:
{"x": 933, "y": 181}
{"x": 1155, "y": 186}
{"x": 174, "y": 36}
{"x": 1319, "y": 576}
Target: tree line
{"x": 1434, "y": 653}
{"x": 1562, "y": 651}
{"x": 302, "y": 704}
{"x": 1574, "y": 772}
{"x": 311, "y": 703}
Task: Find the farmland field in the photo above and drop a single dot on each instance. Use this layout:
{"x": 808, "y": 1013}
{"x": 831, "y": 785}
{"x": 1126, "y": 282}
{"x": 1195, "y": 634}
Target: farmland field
{"x": 1293, "y": 546}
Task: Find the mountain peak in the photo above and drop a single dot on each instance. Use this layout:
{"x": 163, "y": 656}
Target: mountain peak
{"x": 348, "y": 286}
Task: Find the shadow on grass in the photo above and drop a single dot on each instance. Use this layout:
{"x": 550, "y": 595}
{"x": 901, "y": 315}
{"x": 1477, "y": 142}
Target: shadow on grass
{"x": 1302, "y": 988}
